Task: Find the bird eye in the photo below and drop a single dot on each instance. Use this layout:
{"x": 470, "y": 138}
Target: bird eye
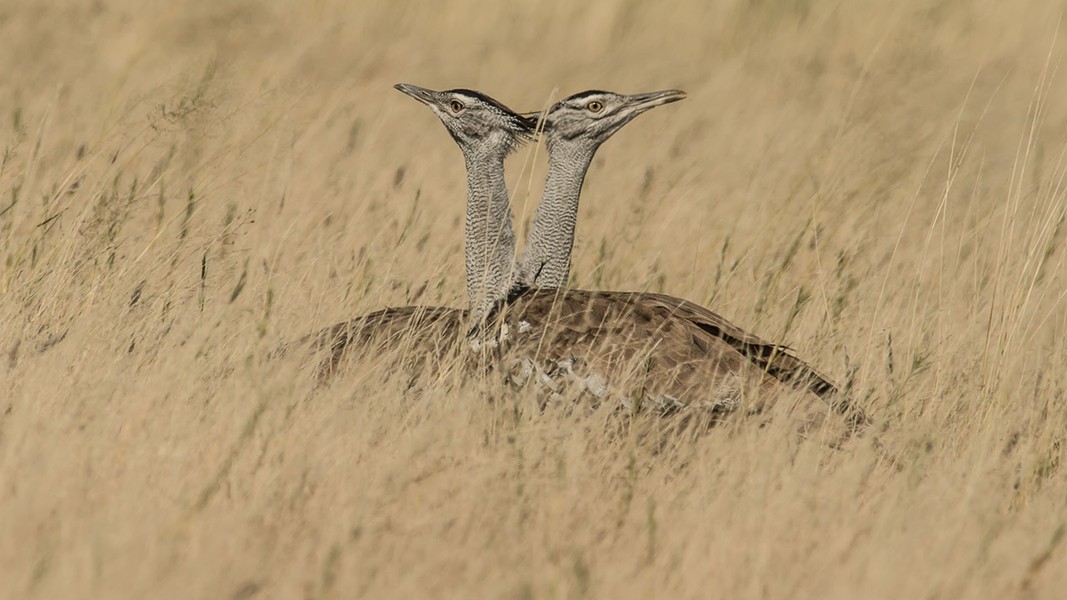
{"x": 456, "y": 106}
{"x": 595, "y": 106}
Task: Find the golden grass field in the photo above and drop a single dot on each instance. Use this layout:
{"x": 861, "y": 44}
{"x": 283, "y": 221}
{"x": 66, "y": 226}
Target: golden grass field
{"x": 184, "y": 186}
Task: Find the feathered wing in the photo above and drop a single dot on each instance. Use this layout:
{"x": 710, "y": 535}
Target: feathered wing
{"x": 775, "y": 358}
{"x": 429, "y": 330}
{"x": 631, "y": 344}
{"x": 679, "y": 352}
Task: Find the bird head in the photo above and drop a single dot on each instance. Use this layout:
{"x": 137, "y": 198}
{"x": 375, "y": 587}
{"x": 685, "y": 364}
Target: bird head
{"x": 594, "y": 116}
{"x": 475, "y": 121}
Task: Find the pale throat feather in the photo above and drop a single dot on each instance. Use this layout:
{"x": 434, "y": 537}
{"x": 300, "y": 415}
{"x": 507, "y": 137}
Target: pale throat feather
{"x": 489, "y": 240}
{"x": 546, "y": 262}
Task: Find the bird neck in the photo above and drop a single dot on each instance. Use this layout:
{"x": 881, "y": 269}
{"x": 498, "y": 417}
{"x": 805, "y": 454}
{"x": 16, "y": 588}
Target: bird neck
{"x": 490, "y": 243}
{"x": 546, "y": 261}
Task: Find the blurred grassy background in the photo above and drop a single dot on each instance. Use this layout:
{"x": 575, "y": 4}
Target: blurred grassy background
{"x": 185, "y": 185}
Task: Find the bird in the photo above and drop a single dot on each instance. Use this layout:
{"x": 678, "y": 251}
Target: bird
{"x": 574, "y": 127}
{"x": 589, "y": 335}
{"x": 486, "y": 132}
{"x": 678, "y": 355}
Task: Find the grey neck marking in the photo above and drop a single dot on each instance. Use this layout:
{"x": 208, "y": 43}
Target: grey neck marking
{"x": 546, "y": 262}
{"x": 489, "y": 247}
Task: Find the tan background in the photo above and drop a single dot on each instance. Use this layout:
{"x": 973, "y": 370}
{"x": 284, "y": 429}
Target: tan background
{"x": 878, "y": 184}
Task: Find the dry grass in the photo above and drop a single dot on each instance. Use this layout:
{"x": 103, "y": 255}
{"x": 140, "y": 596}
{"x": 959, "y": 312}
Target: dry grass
{"x": 186, "y": 184}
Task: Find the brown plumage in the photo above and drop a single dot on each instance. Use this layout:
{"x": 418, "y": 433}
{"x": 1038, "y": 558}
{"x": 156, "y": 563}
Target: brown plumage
{"x": 655, "y": 348}
{"x": 640, "y": 349}
{"x": 430, "y": 333}
{"x": 663, "y": 352}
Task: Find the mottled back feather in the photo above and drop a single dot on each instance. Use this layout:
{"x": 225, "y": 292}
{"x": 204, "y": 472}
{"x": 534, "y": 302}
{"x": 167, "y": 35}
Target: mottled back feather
{"x": 662, "y": 348}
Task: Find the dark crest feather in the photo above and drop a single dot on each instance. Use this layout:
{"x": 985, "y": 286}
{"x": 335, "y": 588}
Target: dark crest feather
{"x": 526, "y": 124}
{"x": 585, "y": 94}
{"x": 480, "y": 96}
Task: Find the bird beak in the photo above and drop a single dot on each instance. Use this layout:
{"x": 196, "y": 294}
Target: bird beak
{"x": 639, "y": 103}
{"x": 421, "y": 94}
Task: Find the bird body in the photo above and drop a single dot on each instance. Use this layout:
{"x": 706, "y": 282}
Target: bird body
{"x": 643, "y": 349}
